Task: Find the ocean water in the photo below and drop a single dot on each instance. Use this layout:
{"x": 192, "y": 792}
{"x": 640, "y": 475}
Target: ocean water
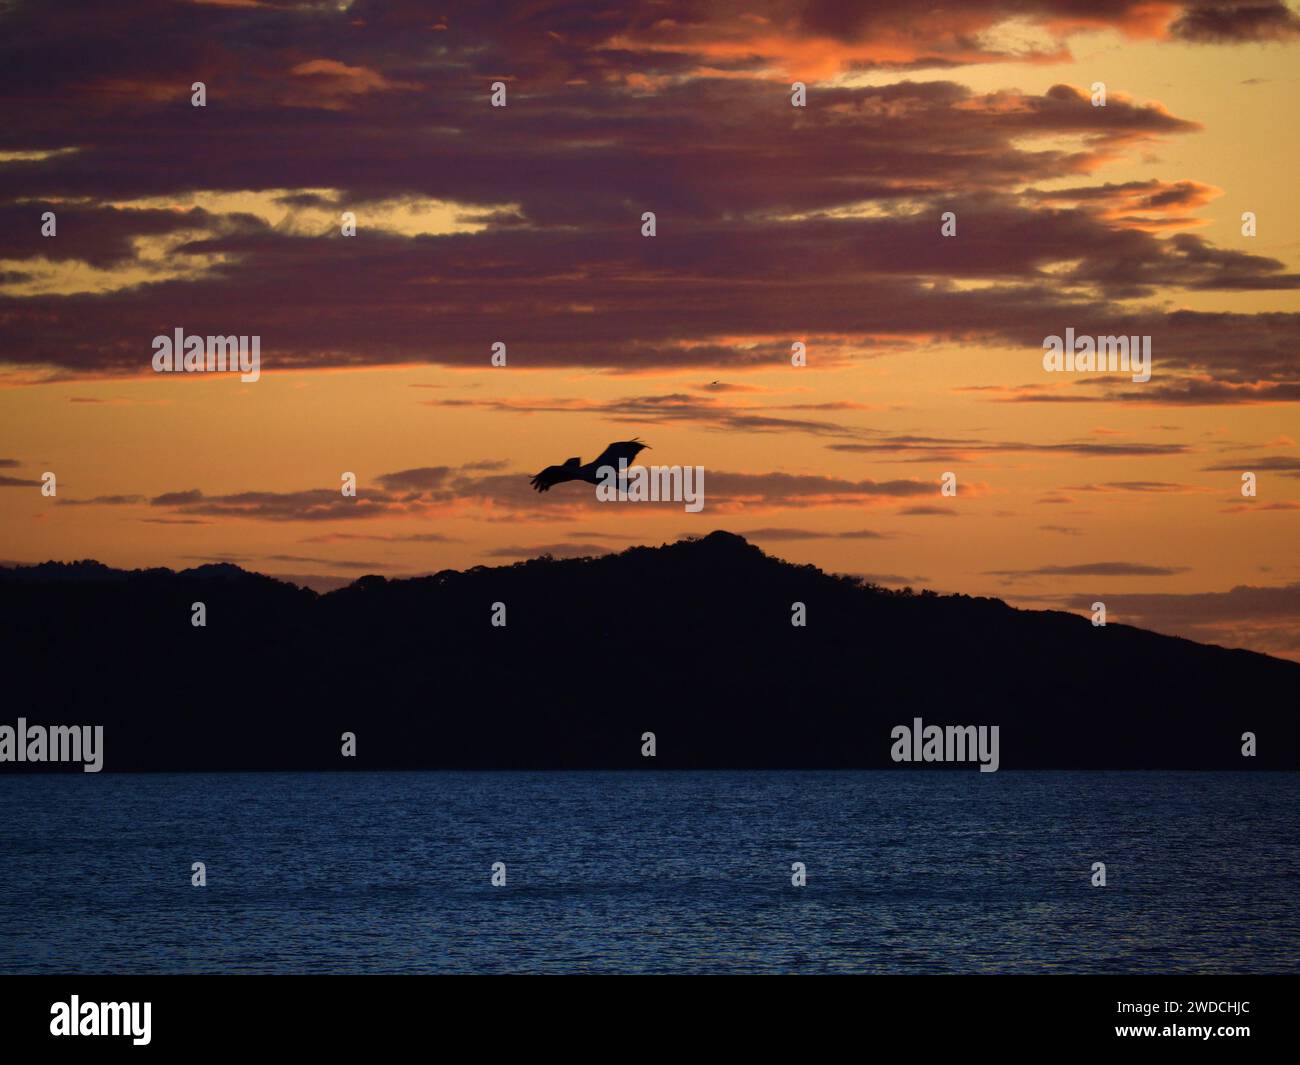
{"x": 907, "y": 871}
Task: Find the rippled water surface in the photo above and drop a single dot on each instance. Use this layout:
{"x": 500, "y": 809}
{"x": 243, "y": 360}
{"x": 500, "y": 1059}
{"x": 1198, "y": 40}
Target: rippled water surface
{"x": 908, "y": 871}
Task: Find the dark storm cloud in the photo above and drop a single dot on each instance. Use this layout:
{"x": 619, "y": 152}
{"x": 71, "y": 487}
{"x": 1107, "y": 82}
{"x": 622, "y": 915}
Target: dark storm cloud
{"x": 614, "y": 109}
{"x": 1236, "y": 20}
{"x": 604, "y": 301}
{"x": 127, "y": 45}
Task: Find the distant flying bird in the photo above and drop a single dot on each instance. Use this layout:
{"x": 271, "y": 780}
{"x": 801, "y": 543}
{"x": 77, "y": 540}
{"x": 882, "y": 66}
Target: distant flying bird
{"x": 574, "y": 470}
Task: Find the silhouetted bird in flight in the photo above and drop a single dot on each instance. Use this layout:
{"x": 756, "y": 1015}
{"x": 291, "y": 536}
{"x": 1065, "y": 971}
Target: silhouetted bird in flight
{"x": 574, "y": 470}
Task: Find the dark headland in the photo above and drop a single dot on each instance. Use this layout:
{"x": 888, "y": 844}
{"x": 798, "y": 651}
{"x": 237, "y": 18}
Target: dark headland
{"x": 692, "y": 641}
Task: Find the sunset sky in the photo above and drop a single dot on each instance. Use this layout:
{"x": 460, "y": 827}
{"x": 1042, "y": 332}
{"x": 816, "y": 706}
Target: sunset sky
{"x": 775, "y": 224}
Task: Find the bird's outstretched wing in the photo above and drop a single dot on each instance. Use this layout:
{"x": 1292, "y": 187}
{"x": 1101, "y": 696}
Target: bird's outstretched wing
{"x": 627, "y": 450}
{"x": 554, "y": 475}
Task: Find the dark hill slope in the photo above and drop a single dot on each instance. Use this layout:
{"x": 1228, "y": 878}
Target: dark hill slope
{"x": 692, "y": 641}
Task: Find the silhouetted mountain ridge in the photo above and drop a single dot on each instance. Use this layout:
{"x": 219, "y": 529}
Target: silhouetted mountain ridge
{"x": 691, "y": 640}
